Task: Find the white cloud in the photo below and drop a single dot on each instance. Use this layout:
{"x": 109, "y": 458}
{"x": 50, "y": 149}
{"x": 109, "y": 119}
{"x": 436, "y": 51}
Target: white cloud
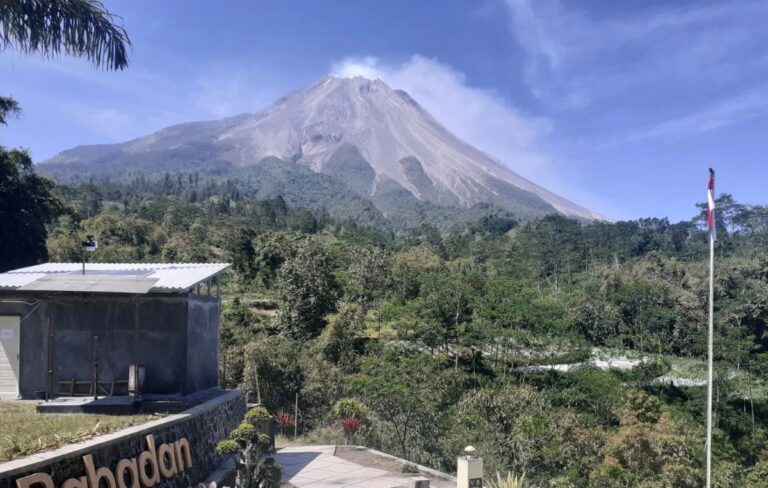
{"x": 476, "y": 115}
{"x": 574, "y": 55}
{"x": 722, "y": 114}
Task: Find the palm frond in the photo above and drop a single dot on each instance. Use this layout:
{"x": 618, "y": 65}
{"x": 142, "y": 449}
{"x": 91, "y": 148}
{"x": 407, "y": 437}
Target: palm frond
{"x": 73, "y": 27}
{"x": 8, "y": 106}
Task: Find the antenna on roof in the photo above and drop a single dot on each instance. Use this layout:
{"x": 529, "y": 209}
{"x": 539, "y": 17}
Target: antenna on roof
{"x": 90, "y": 245}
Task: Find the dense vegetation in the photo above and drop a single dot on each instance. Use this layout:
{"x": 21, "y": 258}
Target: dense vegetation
{"x": 422, "y": 342}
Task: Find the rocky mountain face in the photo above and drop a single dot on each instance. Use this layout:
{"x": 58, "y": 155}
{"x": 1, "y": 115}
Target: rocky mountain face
{"x": 375, "y": 142}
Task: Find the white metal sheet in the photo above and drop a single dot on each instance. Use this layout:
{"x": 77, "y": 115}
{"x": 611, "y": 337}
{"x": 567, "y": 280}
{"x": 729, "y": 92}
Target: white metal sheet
{"x": 169, "y": 276}
{"x": 93, "y": 284}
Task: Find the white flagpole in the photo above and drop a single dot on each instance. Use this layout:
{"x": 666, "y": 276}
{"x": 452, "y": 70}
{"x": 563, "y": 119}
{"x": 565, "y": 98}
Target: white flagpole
{"x": 710, "y": 348}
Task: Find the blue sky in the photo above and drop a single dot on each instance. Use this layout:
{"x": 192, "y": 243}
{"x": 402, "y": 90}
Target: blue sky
{"x": 619, "y": 106}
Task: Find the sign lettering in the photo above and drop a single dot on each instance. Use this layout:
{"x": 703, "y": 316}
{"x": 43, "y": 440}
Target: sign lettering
{"x": 146, "y": 470}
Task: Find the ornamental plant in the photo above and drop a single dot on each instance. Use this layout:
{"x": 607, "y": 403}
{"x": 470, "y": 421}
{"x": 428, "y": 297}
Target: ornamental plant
{"x": 348, "y": 407}
{"x": 506, "y": 481}
{"x": 284, "y": 420}
{"x": 350, "y": 425}
{"x": 249, "y": 447}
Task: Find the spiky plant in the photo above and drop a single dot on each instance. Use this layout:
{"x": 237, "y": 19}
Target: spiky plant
{"x": 285, "y": 420}
{"x": 73, "y": 27}
{"x": 506, "y": 481}
{"x": 350, "y": 425}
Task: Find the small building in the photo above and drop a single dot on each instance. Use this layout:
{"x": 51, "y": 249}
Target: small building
{"x": 65, "y": 332}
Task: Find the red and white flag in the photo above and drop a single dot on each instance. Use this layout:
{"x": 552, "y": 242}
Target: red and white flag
{"x": 711, "y": 205}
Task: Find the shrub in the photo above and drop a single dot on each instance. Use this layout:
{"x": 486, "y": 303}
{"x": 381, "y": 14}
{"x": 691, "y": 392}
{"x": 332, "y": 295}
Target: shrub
{"x": 244, "y": 433}
{"x": 228, "y": 447}
{"x": 507, "y": 481}
{"x": 270, "y": 473}
{"x": 351, "y": 425}
{"x": 248, "y": 447}
{"x": 257, "y": 415}
{"x": 285, "y": 420}
{"x": 265, "y": 442}
{"x": 348, "y": 407}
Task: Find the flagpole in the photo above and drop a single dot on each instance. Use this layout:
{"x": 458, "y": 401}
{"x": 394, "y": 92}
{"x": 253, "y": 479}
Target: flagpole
{"x": 709, "y": 356}
{"x": 710, "y": 349}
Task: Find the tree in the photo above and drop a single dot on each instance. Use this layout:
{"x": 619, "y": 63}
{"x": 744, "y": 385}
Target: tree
{"x": 406, "y": 417}
{"x": 27, "y": 204}
{"x": 649, "y": 449}
{"x": 72, "y": 27}
{"x": 370, "y": 272}
{"x": 517, "y": 429}
{"x": 445, "y": 306}
{"x": 8, "y": 106}
{"x": 242, "y": 253}
{"x": 307, "y": 292}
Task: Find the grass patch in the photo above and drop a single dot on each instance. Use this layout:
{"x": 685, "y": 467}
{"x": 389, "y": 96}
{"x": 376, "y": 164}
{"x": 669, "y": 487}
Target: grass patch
{"x": 26, "y": 432}
{"x": 687, "y": 368}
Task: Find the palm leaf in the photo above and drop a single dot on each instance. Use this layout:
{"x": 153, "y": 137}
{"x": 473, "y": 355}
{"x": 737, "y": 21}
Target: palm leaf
{"x": 73, "y": 27}
{"x": 8, "y": 106}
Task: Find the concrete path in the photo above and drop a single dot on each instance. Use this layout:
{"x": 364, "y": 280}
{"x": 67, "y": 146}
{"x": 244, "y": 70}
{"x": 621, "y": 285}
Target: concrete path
{"x": 317, "y": 467}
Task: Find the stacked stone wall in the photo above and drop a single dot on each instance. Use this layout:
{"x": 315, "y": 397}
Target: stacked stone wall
{"x": 203, "y": 426}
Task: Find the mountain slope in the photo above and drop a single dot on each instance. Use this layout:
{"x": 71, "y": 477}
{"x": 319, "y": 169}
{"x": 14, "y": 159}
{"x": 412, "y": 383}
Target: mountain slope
{"x": 358, "y": 131}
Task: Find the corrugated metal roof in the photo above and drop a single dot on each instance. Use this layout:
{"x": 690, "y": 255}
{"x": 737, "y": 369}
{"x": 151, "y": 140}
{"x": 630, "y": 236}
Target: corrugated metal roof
{"x": 91, "y": 284}
{"x": 169, "y": 276}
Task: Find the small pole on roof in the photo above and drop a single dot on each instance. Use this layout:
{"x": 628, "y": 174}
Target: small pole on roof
{"x": 89, "y": 244}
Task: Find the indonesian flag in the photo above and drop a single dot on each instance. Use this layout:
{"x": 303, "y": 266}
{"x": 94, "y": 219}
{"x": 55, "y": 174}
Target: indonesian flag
{"x": 711, "y": 205}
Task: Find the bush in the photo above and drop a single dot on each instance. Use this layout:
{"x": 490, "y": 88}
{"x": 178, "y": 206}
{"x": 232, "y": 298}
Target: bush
{"x": 228, "y": 447}
{"x": 348, "y": 407}
{"x": 508, "y": 481}
{"x": 244, "y": 433}
{"x": 257, "y": 415}
{"x": 265, "y": 442}
{"x": 270, "y": 473}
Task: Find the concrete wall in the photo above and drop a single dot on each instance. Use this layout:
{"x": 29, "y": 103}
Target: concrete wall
{"x": 204, "y": 426}
{"x": 34, "y": 346}
{"x": 163, "y": 343}
{"x": 177, "y": 339}
{"x": 202, "y": 342}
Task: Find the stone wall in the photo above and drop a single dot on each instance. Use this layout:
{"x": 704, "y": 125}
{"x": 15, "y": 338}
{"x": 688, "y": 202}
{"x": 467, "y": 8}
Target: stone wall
{"x": 203, "y": 426}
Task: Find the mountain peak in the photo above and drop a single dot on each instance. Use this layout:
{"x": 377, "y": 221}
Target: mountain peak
{"x": 393, "y": 137}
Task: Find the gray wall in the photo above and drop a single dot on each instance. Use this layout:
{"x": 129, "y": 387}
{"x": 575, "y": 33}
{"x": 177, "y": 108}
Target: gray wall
{"x": 34, "y": 346}
{"x": 203, "y": 343}
{"x": 177, "y": 339}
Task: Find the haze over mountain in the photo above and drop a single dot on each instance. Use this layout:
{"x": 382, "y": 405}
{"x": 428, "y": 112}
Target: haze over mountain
{"x": 373, "y": 141}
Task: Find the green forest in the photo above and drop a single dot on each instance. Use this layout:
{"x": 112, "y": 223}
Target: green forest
{"x": 495, "y": 333}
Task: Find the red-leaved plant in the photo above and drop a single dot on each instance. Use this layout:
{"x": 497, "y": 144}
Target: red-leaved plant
{"x": 350, "y": 425}
{"x": 284, "y": 420}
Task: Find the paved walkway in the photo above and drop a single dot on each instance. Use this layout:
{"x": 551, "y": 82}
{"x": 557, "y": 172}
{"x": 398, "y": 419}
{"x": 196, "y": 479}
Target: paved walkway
{"x": 317, "y": 467}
